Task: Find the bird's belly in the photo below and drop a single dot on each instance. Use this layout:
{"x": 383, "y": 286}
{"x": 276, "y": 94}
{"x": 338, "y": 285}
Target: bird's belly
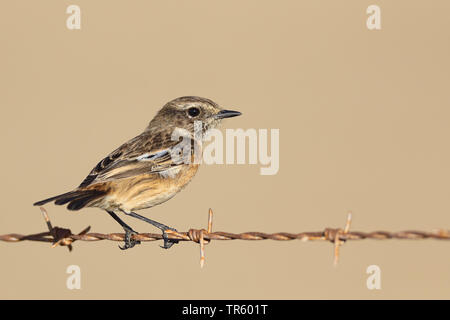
{"x": 148, "y": 190}
{"x": 148, "y": 200}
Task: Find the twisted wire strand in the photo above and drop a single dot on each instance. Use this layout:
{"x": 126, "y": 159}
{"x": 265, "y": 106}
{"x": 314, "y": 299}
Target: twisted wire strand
{"x": 64, "y": 237}
{"x": 328, "y": 234}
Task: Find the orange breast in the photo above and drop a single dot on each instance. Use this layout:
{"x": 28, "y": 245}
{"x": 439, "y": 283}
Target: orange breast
{"x": 145, "y": 190}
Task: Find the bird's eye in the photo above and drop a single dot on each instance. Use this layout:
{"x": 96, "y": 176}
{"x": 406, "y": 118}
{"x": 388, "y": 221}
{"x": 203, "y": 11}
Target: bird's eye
{"x": 193, "y": 112}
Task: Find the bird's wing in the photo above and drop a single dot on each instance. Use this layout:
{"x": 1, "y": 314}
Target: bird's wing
{"x": 137, "y": 156}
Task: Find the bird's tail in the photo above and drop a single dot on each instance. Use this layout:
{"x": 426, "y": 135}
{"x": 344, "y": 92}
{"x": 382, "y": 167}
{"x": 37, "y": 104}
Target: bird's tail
{"x": 77, "y": 199}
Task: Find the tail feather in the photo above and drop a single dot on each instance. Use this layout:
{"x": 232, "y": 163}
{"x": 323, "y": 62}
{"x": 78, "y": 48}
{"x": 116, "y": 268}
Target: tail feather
{"x": 83, "y": 200}
{"x": 77, "y": 199}
{"x": 61, "y": 196}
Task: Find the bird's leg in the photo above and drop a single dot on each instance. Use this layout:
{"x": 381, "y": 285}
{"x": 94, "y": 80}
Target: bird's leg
{"x": 167, "y": 242}
{"x": 129, "y": 243}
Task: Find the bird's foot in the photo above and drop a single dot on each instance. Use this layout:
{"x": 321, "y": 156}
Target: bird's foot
{"x": 129, "y": 241}
{"x": 168, "y": 243}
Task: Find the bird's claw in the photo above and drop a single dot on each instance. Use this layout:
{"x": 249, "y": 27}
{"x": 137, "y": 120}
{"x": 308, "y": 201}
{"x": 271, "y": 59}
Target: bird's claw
{"x": 129, "y": 241}
{"x": 168, "y": 243}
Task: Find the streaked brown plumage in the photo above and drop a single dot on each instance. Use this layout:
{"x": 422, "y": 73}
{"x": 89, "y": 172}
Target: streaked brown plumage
{"x": 142, "y": 173}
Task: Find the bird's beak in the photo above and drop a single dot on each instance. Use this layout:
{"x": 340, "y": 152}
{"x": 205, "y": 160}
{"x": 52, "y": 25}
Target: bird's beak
{"x": 227, "y": 114}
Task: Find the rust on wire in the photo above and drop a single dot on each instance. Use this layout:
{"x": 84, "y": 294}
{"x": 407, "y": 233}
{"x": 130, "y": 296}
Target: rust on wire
{"x": 64, "y": 237}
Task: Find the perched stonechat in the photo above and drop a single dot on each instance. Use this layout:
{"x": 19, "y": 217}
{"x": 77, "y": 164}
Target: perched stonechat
{"x": 142, "y": 172}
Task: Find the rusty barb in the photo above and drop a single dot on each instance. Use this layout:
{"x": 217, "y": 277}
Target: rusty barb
{"x": 64, "y": 237}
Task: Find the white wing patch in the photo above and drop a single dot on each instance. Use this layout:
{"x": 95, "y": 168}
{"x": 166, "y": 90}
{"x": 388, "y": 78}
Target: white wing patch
{"x": 143, "y": 157}
{"x": 151, "y": 156}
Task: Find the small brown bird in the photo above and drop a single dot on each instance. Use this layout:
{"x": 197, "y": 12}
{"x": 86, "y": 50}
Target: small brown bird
{"x": 143, "y": 172}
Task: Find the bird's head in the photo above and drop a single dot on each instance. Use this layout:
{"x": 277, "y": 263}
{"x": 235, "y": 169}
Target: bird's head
{"x": 183, "y": 112}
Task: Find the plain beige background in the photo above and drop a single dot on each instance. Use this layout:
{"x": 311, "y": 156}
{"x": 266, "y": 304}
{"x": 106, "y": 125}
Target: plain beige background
{"x": 364, "y": 126}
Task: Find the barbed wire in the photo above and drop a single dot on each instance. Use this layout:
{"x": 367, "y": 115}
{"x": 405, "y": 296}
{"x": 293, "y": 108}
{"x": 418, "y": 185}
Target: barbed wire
{"x": 64, "y": 237}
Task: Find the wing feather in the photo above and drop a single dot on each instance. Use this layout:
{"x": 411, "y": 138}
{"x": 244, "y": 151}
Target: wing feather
{"x": 138, "y": 156}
